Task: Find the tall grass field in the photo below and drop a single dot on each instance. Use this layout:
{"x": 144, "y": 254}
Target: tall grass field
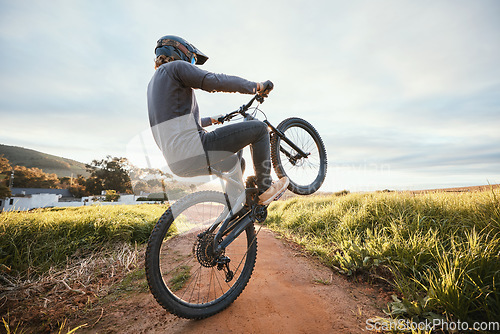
{"x": 32, "y": 242}
{"x": 440, "y": 251}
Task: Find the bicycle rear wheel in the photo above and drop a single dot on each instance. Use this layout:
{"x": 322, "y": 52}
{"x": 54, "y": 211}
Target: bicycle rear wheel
{"x": 182, "y": 272}
{"x": 306, "y": 174}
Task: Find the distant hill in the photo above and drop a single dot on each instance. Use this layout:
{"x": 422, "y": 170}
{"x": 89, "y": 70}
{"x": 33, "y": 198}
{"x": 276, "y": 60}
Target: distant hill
{"x": 48, "y": 163}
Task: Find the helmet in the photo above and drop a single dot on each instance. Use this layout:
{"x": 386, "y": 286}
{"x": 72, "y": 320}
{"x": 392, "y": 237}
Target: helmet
{"x": 179, "y": 48}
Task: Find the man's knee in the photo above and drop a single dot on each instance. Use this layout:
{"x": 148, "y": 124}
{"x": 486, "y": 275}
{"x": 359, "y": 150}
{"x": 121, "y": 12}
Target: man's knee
{"x": 261, "y": 128}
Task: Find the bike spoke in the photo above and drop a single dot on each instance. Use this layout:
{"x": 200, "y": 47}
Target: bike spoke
{"x": 186, "y": 266}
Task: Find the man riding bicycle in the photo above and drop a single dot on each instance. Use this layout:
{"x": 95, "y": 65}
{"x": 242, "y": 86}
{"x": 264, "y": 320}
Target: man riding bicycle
{"x": 177, "y": 127}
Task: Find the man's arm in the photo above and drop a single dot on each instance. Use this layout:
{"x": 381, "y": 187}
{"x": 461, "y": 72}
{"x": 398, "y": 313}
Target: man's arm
{"x": 213, "y": 82}
{"x": 192, "y": 76}
{"x": 207, "y": 121}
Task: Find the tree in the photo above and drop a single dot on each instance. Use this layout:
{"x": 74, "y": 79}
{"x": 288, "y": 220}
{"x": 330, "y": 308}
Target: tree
{"x": 94, "y": 185}
{"x": 78, "y": 190}
{"x": 140, "y": 186}
{"x": 111, "y": 196}
{"x": 5, "y": 172}
{"x": 33, "y": 178}
{"x": 4, "y": 164}
{"x": 78, "y": 187}
{"x": 154, "y": 183}
{"x": 109, "y": 174}
{"x": 65, "y": 182}
{"x": 150, "y": 180}
{"x": 137, "y": 173}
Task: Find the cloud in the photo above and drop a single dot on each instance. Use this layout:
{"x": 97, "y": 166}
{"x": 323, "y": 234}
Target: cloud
{"x": 400, "y": 82}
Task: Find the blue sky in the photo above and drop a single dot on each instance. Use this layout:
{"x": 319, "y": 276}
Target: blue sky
{"x": 406, "y": 94}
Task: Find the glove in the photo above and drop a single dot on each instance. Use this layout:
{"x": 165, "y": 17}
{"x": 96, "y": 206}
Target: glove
{"x": 219, "y": 119}
{"x": 265, "y": 88}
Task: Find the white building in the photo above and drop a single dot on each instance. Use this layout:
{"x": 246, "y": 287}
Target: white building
{"x": 31, "y": 198}
{"x": 29, "y": 202}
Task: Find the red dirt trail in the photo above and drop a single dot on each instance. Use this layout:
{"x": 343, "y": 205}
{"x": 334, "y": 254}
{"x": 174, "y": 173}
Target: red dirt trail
{"x": 283, "y": 296}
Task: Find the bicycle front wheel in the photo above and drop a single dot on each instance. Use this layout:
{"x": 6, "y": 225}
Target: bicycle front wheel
{"x": 183, "y": 274}
{"x": 306, "y": 174}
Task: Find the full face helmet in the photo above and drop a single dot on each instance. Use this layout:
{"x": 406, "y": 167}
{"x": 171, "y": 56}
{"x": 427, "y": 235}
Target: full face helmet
{"x": 179, "y": 49}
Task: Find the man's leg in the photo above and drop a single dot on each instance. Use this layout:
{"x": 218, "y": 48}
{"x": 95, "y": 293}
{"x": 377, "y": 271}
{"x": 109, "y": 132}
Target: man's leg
{"x": 234, "y": 137}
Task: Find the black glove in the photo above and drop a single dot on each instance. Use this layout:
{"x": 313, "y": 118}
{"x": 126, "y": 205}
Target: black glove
{"x": 266, "y": 88}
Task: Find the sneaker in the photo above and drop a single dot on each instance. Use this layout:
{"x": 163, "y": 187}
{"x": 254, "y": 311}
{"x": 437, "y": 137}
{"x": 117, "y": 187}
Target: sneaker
{"x": 274, "y": 191}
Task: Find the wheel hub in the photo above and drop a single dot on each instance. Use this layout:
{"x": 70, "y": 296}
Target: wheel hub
{"x": 298, "y": 160}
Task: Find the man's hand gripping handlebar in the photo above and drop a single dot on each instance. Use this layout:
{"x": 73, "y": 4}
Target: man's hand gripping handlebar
{"x": 263, "y": 90}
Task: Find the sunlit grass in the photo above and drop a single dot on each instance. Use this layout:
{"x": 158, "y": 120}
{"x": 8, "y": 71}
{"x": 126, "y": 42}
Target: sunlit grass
{"x": 32, "y": 242}
{"x": 441, "y": 251}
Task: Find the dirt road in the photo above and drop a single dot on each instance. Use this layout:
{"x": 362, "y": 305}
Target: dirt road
{"x": 286, "y": 294}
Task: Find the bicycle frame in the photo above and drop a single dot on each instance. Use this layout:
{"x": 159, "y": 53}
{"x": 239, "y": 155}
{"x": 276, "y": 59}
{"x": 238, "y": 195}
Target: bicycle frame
{"x": 243, "y": 213}
{"x": 236, "y": 212}
{"x": 243, "y": 111}
{"x": 202, "y": 251}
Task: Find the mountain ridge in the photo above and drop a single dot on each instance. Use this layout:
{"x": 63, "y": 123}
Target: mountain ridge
{"x": 62, "y": 167}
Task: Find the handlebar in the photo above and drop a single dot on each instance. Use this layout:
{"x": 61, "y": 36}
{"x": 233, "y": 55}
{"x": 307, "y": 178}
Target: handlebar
{"x": 260, "y": 96}
{"x": 242, "y": 110}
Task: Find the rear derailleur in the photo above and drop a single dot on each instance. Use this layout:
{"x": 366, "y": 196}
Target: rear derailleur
{"x": 207, "y": 257}
{"x": 223, "y": 264}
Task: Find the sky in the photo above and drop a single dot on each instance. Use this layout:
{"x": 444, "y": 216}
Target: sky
{"x": 405, "y": 94}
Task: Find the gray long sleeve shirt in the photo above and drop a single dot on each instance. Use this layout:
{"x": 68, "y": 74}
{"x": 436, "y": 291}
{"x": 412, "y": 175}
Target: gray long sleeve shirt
{"x": 174, "y": 115}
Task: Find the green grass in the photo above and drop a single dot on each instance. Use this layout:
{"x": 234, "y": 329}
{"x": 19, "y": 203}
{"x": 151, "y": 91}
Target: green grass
{"x": 32, "y": 242}
{"x": 440, "y": 251}
{"x": 134, "y": 281}
{"x": 180, "y": 277}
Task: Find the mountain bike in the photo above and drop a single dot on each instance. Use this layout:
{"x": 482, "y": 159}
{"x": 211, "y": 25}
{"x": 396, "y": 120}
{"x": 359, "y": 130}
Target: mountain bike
{"x": 203, "y": 249}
